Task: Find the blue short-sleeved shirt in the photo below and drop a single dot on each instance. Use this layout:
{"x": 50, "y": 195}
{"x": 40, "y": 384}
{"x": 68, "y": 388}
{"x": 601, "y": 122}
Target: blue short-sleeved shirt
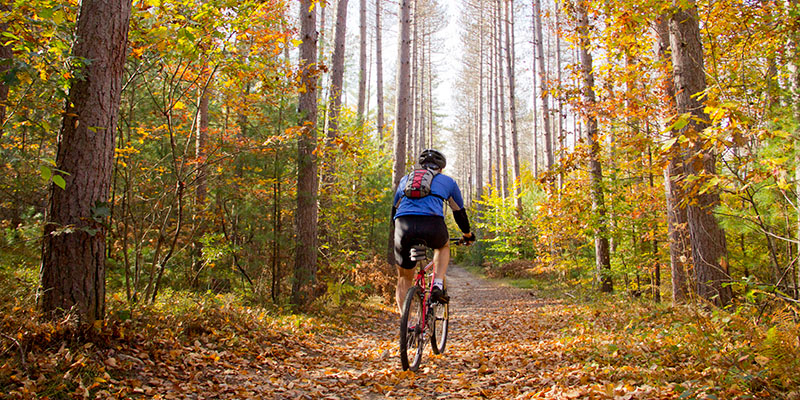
{"x": 442, "y": 185}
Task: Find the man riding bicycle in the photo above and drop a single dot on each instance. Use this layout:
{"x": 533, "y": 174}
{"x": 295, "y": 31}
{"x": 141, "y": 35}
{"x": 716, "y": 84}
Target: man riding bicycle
{"x": 421, "y": 220}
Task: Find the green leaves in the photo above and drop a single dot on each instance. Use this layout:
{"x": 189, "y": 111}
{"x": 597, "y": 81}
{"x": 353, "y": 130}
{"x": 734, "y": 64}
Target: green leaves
{"x": 49, "y": 174}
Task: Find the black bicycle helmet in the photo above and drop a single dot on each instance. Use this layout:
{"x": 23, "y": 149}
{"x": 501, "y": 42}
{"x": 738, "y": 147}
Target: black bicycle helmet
{"x": 432, "y": 157}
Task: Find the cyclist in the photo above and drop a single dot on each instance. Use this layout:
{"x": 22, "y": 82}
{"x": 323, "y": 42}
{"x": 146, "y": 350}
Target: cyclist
{"x": 421, "y": 219}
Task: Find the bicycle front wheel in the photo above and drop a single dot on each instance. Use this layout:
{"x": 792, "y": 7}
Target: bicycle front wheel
{"x": 412, "y": 330}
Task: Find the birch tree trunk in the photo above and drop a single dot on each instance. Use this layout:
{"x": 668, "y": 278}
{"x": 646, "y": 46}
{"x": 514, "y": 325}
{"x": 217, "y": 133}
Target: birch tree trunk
{"x": 709, "y": 249}
{"x": 201, "y": 188}
{"x": 305, "y": 266}
{"x": 73, "y": 261}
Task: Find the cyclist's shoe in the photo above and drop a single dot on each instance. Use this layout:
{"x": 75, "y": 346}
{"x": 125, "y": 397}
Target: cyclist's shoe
{"x": 438, "y": 295}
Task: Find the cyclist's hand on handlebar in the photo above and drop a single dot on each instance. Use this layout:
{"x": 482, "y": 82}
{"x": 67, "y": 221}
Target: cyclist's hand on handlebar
{"x": 467, "y": 239}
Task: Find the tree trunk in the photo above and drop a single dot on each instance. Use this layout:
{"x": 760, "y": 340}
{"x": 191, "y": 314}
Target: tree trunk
{"x": 560, "y": 131}
{"x": 677, "y": 226}
{"x": 536, "y": 40}
{"x": 602, "y": 254}
{"x": 502, "y": 147}
{"x": 498, "y": 183}
{"x": 305, "y": 266}
{"x": 379, "y": 68}
{"x": 73, "y": 253}
{"x": 479, "y": 133}
{"x": 512, "y": 100}
{"x": 337, "y": 71}
{"x": 709, "y": 250}
{"x": 402, "y": 109}
{"x": 794, "y": 67}
{"x": 201, "y": 188}
{"x": 362, "y": 61}
{"x": 548, "y": 136}
{"x": 490, "y": 99}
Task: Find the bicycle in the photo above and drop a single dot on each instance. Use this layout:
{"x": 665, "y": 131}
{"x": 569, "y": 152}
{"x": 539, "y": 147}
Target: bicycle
{"x": 421, "y": 316}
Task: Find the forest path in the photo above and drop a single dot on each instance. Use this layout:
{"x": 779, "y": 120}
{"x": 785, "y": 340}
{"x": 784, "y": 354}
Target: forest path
{"x": 498, "y": 347}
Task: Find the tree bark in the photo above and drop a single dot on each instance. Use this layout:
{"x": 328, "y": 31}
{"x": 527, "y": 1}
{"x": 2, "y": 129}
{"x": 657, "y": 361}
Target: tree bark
{"x": 512, "y": 100}
{"x": 402, "y": 109}
{"x": 535, "y": 49}
{"x": 794, "y": 66}
{"x": 337, "y": 71}
{"x": 379, "y": 68}
{"x": 305, "y": 266}
{"x": 479, "y": 133}
{"x": 602, "y": 253}
{"x": 502, "y": 146}
{"x": 709, "y": 249}
{"x": 73, "y": 254}
{"x": 201, "y": 188}
{"x": 677, "y": 226}
{"x": 362, "y": 61}
{"x": 548, "y": 136}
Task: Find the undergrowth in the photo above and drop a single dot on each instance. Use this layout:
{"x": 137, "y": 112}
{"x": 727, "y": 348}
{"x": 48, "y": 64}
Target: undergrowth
{"x": 115, "y": 358}
{"x": 749, "y": 350}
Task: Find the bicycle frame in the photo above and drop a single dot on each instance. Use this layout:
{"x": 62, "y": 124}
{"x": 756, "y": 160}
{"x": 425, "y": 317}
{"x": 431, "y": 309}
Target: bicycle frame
{"x": 419, "y": 280}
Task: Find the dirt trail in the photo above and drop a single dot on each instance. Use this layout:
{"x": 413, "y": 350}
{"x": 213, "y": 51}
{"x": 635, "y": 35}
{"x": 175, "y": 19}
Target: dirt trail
{"x": 493, "y": 351}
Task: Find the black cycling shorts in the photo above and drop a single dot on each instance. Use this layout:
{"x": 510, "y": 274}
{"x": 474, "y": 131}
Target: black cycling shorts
{"x": 410, "y": 230}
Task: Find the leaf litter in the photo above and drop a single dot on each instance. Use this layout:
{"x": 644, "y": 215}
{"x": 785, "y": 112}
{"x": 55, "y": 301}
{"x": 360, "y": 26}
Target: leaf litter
{"x": 504, "y": 343}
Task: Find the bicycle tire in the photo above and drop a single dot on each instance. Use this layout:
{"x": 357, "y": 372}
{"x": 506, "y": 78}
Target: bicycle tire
{"x": 412, "y": 339}
{"x": 441, "y": 325}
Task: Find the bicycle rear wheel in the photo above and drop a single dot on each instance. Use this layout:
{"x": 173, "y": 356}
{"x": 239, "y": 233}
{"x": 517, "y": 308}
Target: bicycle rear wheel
{"x": 411, "y": 330}
{"x": 441, "y": 323}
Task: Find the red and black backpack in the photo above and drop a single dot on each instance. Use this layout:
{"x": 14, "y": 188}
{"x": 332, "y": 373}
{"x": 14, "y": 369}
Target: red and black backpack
{"x": 418, "y": 184}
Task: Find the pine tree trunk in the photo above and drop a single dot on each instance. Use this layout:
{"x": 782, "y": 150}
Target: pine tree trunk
{"x": 709, "y": 249}
{"x": 479, "y": 132}
{"x": 402, "y": 108}
{"x": 73, "y": 260}
{"x": 512, "y": 104}
{"x": 677, "y": 226}
{"x": 337, "y": 71}
{"x": 501, "y": 86}
{"x": 379, "y": 68}
{"x": 548, "y": 136}
{"x": 490, "y": 98}
{"x": 536, "y": 40}
{"x": 602, "y": 253}
{"x": 305, "y": 266}
{"x": 362, "y": 60}
{"x": 560, "y": 131}
{"x": 498, "y": 183}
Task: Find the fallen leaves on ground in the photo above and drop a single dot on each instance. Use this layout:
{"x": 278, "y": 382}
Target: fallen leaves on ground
{"x": 504, "y": 343}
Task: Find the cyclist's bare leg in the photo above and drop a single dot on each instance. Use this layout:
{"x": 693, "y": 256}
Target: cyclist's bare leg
{"x": 441, "y": 259}
{"x": 405, "y": 278}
